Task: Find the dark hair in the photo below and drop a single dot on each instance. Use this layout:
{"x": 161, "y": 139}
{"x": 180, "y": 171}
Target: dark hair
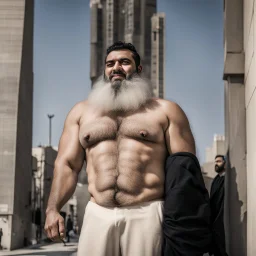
{"x": 119, "y": 45}
{"x": 223, "y": 157}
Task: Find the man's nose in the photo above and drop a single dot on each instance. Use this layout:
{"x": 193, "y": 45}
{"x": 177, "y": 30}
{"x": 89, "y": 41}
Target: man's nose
{"x": 117, "y": 66}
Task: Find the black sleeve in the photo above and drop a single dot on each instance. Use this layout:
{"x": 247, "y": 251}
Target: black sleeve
{"x": 186, "y": 215}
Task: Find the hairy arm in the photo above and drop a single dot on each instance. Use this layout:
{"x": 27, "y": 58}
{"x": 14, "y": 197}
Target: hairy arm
{"x": 67, "y": 167}
{"x": 178, "y": 135}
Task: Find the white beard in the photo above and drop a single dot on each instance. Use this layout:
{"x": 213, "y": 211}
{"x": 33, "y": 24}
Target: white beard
{"x": 126, "y": 95}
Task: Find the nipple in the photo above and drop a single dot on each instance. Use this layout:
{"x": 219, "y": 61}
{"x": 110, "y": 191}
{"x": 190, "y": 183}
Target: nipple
{"x": 143, "y": 133}
{"x": 87, "y": 137}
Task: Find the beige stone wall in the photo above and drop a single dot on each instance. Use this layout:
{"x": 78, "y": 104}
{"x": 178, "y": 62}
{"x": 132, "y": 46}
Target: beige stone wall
{"x": 250, "y": 104}
{"x": 235, "y": 129}
{"x": 235, "y": 181}
{"x": 16, "y": 89}
{"x": 23, "y": 173}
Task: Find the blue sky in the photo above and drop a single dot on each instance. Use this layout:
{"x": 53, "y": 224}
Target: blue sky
{"x": 194, "y": 63}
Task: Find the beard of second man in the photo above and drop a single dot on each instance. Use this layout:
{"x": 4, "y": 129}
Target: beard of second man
{"x": 220, "y": 168}
{"x": 128, "y": 94}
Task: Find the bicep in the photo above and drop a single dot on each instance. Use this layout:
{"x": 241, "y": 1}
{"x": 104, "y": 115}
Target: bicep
{"x": 71, "y": 151}
{"x": 179, "y": 137}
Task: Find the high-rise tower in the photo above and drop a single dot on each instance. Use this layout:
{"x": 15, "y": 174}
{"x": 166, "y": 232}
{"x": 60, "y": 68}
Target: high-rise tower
{"x": 16, "y": 100}
{"x": 125, "y": 20}
{"x": 158, "y": 54}
{"x": 107, "y": 26}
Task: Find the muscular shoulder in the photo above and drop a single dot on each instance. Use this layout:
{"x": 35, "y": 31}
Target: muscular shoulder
{"x": 178, "y": 135}
{"x": 76, "y": 112}
{"x": 172, "y": 110}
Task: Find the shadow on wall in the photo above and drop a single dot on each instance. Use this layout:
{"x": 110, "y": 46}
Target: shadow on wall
{"x": 236, "y": 216}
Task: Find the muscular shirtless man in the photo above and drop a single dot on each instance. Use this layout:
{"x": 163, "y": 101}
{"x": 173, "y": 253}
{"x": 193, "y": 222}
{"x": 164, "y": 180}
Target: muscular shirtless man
{"x": 124, "y": 135}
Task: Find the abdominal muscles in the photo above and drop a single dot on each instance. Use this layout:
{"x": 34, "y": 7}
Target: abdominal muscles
{"x": 126, "y": 173}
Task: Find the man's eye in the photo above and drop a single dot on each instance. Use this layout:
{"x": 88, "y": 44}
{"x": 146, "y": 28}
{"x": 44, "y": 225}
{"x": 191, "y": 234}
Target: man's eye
{"x": 109, "y": 64}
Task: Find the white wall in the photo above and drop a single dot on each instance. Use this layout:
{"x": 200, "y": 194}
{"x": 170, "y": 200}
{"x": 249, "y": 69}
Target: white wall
{"x": 250, "y": 102}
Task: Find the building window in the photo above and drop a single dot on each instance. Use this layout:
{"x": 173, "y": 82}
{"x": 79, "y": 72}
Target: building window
{"x": 154, "y": 36}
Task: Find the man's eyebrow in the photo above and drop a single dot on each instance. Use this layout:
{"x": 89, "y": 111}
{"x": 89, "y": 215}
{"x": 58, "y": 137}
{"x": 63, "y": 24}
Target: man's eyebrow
{"x": 121, "y": 59}
{"x": 107, "y": 61}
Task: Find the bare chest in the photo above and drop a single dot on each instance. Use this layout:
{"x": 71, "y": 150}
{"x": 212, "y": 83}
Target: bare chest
{"x": 141, "y": 128}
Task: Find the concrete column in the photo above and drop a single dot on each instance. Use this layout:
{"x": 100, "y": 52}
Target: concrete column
{"x": 96, "y": 57}
{"x": 235, "y": 181}
{"x": 235, "y": 129}
{"x": 233, "y": 38}
{"x": 251, "y": 171}
{"x": 250, "y": 97}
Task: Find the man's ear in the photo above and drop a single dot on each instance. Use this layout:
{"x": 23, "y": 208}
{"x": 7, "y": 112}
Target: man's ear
{"x": 139, "y": 69}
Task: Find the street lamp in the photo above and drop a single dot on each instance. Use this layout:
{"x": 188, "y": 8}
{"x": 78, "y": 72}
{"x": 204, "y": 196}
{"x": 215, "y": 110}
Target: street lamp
{"x": 50, "y": 129}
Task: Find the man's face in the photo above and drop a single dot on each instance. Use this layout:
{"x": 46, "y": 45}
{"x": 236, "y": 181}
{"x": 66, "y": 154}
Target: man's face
{"x": 119, "y": 65}
{"x": 219, "y": 164}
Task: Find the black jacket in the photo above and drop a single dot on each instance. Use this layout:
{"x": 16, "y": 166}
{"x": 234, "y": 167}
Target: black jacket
{"x": 186, "y": 215}
{"x": 217, "y": 216}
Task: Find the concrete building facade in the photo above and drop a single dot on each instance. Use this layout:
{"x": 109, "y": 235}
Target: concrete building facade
{"x": 42, "y": 180}
{"x": 113, "y": 24}
{"x": 107, "y": 26}
{"x": 16, "y": 90}
{"x": 158, "y": 54}
{"x": 120, "y": 20}
{"x": 43, "y": 162}
{"x": 217, "y": 148}
{"x": 77, "y": 203}
{"x": 137, "y": 29}
{"x": 240, "y": 108}
{"x": 249, "y": 206}
{"x": 96, "y": 44}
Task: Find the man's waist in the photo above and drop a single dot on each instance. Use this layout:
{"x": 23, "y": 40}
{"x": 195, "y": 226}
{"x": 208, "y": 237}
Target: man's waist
{"x": 121, "y": 199}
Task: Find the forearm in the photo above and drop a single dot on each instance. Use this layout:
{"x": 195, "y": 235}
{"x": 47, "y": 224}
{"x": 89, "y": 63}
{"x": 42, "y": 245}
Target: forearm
{"x": 63, "y": 187}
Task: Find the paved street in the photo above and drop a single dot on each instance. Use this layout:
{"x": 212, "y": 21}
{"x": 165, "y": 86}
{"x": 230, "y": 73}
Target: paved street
{"x": 54, "y": 249}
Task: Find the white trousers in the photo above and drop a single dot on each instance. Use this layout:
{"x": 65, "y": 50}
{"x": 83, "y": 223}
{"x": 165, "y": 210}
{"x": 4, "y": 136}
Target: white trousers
{"x": 122, "y": 231}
